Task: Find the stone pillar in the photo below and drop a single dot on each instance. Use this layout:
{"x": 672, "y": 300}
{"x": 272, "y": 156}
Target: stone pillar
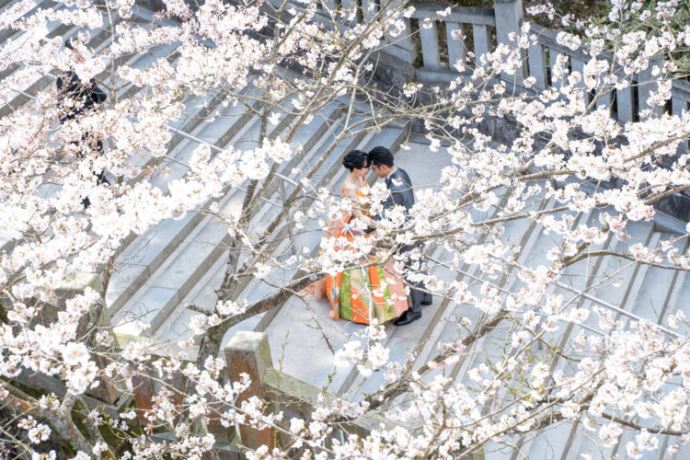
{"x": 553, "y": 64}
{"x": 578, "y": 66}
{"x": 403, "y": 46}
{"x": 142, "y": 386}
{"x": 647, "y": 84}
{"x": 152, "y": 5}
{"x": 369, "y": 10}
{"x": 678, "y": 106}
{"x": 508, "y": 21}
{"x": 431, "y": 55}
{"x": 249, "y": 353}
{"x": 537, "y": 66}
{"x": 624, "y": 104}
{"x": 480, "y": 33}
{"x": 350, "y": 6}
{"x": 456, "y": 44}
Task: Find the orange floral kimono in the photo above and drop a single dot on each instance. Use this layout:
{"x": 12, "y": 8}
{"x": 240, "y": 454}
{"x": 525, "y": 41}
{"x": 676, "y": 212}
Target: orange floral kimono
{"x": 370, "y": 291}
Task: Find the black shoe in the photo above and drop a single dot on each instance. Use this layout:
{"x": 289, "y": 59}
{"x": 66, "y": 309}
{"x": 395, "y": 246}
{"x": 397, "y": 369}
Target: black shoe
{"x": 427, "y": 301}
{"x": 407, "y": 317}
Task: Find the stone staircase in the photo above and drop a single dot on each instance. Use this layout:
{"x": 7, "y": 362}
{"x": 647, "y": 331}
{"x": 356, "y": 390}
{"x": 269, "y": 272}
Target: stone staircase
{"x": 158, "y": 273}
{"x": 182, "y": 261}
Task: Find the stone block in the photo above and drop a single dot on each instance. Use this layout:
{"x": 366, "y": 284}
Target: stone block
{"x": 124, "y": 283}
{"x": 249, "y": 353}
{"x": 624, "y": 104}
{"x": 481, "y": 41}
{"x": 430, "y": 50}
{"x": 537, "y": 66}
{"x": 508, "y": 14}
{"x": 393, "y": 71}
{"x": 456, "y": 45}
{"x": 142, "y": 386}
{"x": 647, "y": 83}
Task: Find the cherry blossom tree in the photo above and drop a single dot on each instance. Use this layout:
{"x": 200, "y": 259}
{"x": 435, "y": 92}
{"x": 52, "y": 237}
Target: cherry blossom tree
{"x": 615, "y": 374}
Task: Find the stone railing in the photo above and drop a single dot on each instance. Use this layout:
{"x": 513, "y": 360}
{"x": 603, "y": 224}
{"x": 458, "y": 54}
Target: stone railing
{"x": 435, "y": 42}
{"x": 504, "y": 19}
{"x": 246, "y": 353}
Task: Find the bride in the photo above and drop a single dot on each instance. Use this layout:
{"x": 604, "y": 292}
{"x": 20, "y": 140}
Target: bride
{"x": 370, "y": 289}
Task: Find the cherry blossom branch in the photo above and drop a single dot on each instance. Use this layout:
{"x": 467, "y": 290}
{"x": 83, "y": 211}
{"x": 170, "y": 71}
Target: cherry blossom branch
{"x": 638, "y": 427}
{"x": 61, "y": 422}
{"x": 210, "y": 343}
{"x": 400, "y": 386}
{"x": 605, "y": 252}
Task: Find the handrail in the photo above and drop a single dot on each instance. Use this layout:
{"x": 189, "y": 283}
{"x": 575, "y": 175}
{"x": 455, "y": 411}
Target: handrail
{"x": 426, "y": 61}
{"x": 463, "y": 14}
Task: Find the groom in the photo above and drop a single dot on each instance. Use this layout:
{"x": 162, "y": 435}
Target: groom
{"x": 400, "y": 186}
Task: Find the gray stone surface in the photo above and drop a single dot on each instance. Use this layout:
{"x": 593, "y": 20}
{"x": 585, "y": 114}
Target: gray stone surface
{"x": 456, "y": 45}
{"x": 461, "y": 14}
{"x": 395, "y": 71}
{"x": 508, "y": 15}
{"x": 146, "y": 307}
{"x": 647, "y": 83}
{"x": 481, "y": 41}
{"x": 624, "y": 104}
{"x": 428, "y": 33}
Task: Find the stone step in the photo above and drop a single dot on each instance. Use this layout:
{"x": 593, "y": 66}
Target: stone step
{"x": 31, "y": 82}
{"x": 537, "y": 445}
{"x": 133, "y": 160}
{"x": 659, "y": 284}
{"x": 145, "y": 253}
{"x": 5, "y": 5}
{"x": 520, "y": 234}
{"x": 98, "y": 42}
{"x": 269, "y": 215}
{"x": 174, "y": 165}
{"x": 544, "y": 445}
{"x": 626, "y": 276}
{"x": 255, "y": 290}
{"x": 311, "y": 136}
{"x": 19, "y": 78}
{"x": 627, "y": 273}
{"x": 175, "y": 328}
{"x": 202, "y": 250}
{"x": 61, "y": 30}
{"x": 581, "y": 279}
{"x": 36, "y": 83}
{"x": 28, "y": 8}
{"x": 678, "y": 295}
{"x": 318, "y": 167}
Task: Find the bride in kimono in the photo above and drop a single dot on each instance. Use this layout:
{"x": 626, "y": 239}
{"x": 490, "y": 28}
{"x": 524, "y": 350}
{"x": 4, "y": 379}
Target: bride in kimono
{"x": 368, "y": 290}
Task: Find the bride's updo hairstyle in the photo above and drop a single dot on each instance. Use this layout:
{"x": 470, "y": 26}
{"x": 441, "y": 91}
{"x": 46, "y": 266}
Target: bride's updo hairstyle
{"x": 356, "y": 159}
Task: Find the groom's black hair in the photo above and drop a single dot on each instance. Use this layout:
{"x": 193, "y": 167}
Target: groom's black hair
{"x": 381, "y": 156}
